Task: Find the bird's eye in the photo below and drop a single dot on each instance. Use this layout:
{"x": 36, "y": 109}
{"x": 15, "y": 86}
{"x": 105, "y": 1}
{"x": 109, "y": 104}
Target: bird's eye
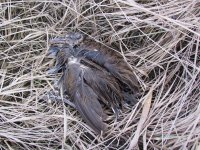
{"x": 67, "y": 36}
{"x": 78, "y": 36}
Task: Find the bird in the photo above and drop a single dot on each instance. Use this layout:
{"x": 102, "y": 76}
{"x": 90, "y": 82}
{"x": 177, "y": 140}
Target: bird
{"x": 92, "y": 74}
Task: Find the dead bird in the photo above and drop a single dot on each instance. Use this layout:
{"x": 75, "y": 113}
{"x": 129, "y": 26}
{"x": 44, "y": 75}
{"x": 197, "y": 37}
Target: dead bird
{"x": 92, "y": 74}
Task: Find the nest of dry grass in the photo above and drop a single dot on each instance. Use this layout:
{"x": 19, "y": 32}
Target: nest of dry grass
{"x": 160, "y": 39}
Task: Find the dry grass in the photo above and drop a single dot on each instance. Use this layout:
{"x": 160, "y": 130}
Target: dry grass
{"x": 159, "y": 38}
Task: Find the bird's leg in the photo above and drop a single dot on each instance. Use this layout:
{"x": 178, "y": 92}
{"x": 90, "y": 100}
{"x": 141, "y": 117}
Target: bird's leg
{"x": 116, "y": 113}
{"x": 54, "y": 95}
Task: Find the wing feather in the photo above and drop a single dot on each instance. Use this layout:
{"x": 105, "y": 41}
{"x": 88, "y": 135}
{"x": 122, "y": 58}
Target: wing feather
{"x": 84, "y": 97}
{"x": 114, "y": 63}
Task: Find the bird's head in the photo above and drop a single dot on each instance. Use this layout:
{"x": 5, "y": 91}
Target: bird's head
{"x": 71, "y": 39}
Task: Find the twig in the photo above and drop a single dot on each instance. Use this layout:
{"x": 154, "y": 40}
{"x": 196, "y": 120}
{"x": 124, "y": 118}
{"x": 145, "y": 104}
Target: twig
{"x": 143, "y": 118}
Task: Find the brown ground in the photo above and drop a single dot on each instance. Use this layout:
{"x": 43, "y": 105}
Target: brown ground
{"x": 160, "y": 39}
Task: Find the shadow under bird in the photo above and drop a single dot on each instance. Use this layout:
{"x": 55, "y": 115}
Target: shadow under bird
{"x": 90, "y": 74}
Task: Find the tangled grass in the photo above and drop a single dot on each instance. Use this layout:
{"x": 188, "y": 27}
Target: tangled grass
{"x": 160, "y": 39}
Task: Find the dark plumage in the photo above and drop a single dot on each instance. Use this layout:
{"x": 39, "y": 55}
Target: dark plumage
{"x": 92, "y": 74}
{"x": 83, "y": 96}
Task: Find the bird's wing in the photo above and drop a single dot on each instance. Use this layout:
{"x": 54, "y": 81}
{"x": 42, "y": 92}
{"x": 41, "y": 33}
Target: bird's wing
{"x": 114, "y": 63}
{"x": 83, "y": 96}
{"x": 106, "y": 87}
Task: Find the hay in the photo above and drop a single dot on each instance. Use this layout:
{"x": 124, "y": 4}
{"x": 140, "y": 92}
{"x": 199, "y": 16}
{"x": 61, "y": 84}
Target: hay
{"x": 160, "y": 39}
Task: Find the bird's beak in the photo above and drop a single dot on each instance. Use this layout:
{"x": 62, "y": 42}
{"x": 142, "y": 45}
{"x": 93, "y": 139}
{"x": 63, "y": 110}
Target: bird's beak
{"x": 58, "y": 40}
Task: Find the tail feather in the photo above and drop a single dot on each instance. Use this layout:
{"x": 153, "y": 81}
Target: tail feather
{"x": 86, "y": 102}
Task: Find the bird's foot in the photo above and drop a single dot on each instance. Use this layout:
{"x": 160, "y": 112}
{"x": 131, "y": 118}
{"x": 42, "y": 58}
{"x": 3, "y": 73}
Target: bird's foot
{"x": 54, "y": 96}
